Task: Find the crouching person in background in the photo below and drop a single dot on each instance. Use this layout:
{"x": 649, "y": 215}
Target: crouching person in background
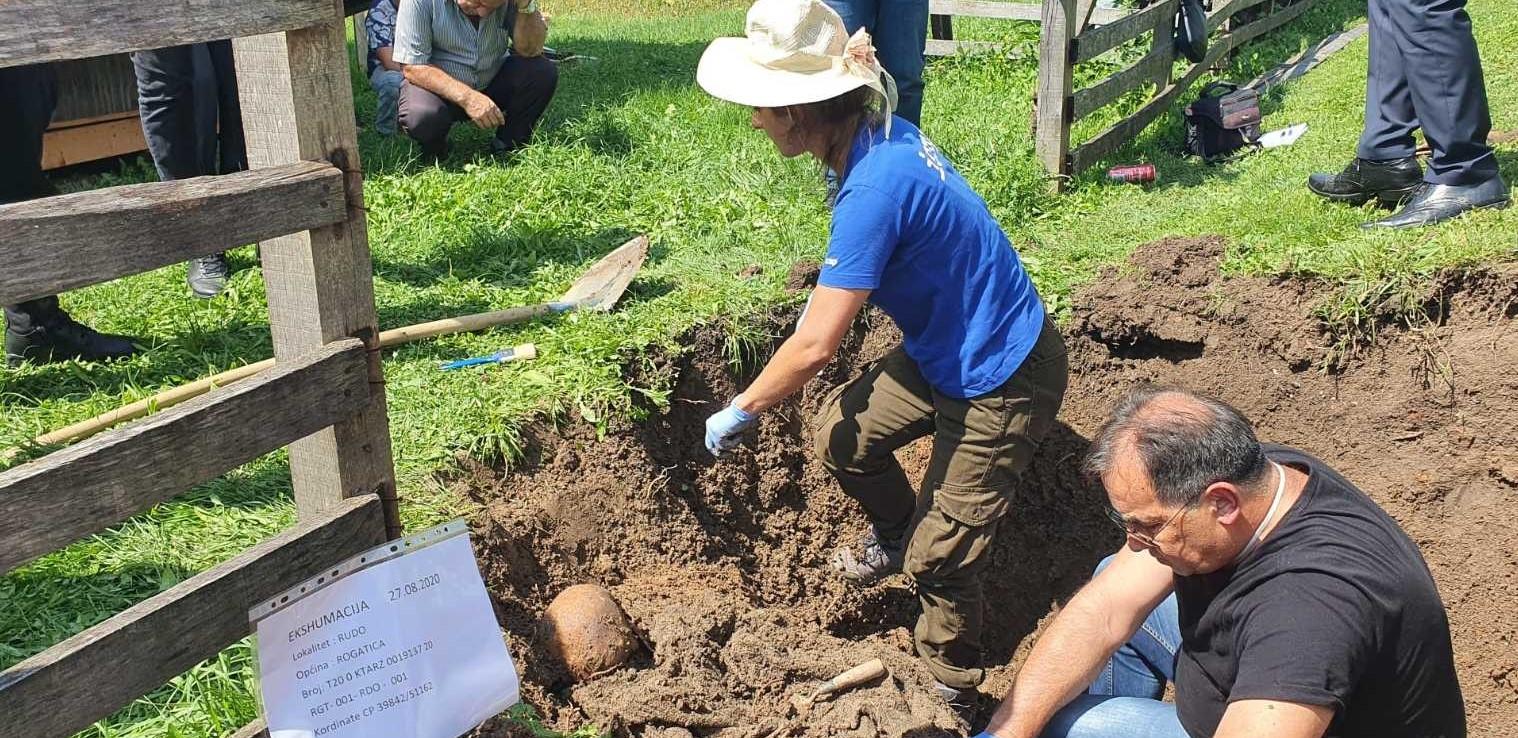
{"x": 1279, "y": 599}
{"x": 385, "y": 74}
{"x": 454, "y": 55}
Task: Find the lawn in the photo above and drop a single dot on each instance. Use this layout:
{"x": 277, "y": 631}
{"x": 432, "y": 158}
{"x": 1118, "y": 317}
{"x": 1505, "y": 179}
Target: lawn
{"x": 632, "y": 146}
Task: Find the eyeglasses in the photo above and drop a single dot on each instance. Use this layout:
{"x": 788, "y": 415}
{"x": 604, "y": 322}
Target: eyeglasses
{"x": 1144, "y": 537}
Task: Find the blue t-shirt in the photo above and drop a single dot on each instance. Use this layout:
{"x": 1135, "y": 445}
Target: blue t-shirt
{"x": 907, "y": 226}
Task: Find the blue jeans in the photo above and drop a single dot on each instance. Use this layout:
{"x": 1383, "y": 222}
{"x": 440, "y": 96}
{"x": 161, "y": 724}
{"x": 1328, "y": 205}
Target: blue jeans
{"x": 899, "y": 29}
{"x": 387, "y": 86}
{"x": 1124, "y": 701}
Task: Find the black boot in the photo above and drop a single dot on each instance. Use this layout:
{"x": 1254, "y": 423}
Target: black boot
{"x": 1434, "y": 203}
{"x": 1391, "y": 181}
{"x": 39, "y": 331}
{"x": 207, "y": 275}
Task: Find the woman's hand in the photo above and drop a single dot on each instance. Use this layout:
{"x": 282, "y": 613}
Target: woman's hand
{"x": 722, "y": 429}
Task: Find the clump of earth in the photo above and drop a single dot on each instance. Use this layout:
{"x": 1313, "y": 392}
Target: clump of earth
{"x": 721, "y": 566}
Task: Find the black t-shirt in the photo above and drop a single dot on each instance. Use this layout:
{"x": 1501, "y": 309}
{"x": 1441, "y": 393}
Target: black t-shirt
{"x": 1336, "y": 608}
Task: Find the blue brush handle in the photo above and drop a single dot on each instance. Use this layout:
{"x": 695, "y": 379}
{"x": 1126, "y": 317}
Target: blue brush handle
{"x": 494, "y": 358}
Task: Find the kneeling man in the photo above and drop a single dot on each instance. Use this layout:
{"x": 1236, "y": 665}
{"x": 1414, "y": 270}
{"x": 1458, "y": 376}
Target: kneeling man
{"x": 1279, "y": 599}
{"x": 454, "y": 54}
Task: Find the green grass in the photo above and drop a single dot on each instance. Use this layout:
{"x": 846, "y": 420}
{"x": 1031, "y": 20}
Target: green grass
{"x": 632, "y": 146}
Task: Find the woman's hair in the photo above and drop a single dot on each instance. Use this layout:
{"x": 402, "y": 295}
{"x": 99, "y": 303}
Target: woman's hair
{"x": 837, "y": 118}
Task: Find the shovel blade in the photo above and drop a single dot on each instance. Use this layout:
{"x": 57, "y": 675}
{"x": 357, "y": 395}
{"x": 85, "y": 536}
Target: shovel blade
{"x": 603, "y": 284}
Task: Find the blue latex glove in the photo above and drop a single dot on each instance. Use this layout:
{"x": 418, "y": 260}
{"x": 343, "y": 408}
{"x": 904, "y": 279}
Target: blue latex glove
{"x": 723, "y": 428}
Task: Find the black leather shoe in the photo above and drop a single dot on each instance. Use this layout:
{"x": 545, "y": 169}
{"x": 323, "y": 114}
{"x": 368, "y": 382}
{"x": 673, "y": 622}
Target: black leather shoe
{"x": 1435, "y": 203}
{"x": 54, "y": 336}
{"x": 1391, "y": 181}
{"x": 207, "y": 275}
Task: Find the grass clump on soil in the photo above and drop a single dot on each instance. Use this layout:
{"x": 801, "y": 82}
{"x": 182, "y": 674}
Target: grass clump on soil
{"x": 632, "y": 146}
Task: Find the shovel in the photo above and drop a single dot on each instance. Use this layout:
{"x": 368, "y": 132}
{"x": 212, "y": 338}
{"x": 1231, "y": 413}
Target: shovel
{"x": 801, "y": 704}
{"x": 598, "y": 289}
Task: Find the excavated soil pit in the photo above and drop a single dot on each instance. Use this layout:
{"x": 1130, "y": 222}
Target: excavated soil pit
{"x": 721, "y": 566}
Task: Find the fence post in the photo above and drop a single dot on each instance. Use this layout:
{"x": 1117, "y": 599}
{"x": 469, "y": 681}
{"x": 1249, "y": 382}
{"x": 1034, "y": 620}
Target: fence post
{"x": 1164, "y": 44}
{"x": 296, "y": 93}
{"x": 1055, "y": 80}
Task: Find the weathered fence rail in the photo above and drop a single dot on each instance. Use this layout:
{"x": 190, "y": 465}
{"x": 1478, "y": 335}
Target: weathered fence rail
{"x": 324, "y": 399}
{"x": 942, "y": 13}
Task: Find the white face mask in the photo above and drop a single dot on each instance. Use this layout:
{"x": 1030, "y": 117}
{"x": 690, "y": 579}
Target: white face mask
{"x": 1254, "y": 540}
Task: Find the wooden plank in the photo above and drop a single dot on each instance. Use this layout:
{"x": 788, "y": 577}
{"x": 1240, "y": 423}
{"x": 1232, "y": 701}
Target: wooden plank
{"x": 34, "y": 31}
{"x": 64, "y": 496}
{"x": 935, "y": 47}
{"x": 1163, "y": 43}
{"x": 1135, "y": 75}
{"x": 1055, "y": 79}
{"x": 76, "y": 142}
{"x": 90, "y": 88}
{"x": 1308, "y": 59}
{"x": 89, "y": 676}
{"x": 1097, "y": 41}
{"x": 56, "y": 244}
{"x": 255, "y": 729}
{"x": 297, "y": 104}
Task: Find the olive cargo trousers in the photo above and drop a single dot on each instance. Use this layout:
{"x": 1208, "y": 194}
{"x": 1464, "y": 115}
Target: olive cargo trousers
{"x": 981, "y": 446}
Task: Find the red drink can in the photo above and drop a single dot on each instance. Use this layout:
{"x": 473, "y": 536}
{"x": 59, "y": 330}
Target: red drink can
{"x": 1137, "y": 173}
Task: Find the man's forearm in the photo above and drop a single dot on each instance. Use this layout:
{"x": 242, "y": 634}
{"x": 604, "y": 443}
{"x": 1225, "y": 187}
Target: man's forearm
{"x": 439, "y": 83}
{"x": 529, "y": 35}
{"x": 1063, "y": 664}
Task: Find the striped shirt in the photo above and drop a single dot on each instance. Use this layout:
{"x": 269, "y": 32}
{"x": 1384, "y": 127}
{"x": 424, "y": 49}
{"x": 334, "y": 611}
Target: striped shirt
{"x": 436, "y": 32}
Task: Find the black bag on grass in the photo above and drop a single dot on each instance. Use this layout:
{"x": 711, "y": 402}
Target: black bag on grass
{"x": 1222, "y": 120}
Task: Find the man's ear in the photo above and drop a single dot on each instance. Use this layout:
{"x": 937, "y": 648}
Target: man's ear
{"x": 1223, "y": 500}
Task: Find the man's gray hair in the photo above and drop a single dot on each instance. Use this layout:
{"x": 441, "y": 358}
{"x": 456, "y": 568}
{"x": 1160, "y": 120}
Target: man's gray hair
{"x": 1186, "y": 442}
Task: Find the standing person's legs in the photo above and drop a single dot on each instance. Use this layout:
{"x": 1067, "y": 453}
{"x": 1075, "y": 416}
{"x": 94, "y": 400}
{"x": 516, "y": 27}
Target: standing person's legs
{"x": 1448, "y": 90}
{"x": 522, "y": 90}
{"x": 980, "y": 448}
{"x": 426, "y": 118}
{"x": 387, "y": 87}
{"x": 39, "y": 330}
{"x": 1124, "y": 701}
{"x": 901, "y": 35}
{"x": 1389, "y": 116}
{"x": 166, "y": 104}
{"x": 232, "y": 150}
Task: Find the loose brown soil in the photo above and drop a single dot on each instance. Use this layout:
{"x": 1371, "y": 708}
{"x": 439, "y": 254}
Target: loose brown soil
{"x": 721, "y": 565}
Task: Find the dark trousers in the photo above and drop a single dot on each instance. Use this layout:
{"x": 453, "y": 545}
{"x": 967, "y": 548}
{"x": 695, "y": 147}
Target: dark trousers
{"x": 28, "y": 95}
{"x": 191, "y": 118}
{"x": 981, "y": 445}
{"x": 1425, "y": 73}
{"x": 522, "y": 90}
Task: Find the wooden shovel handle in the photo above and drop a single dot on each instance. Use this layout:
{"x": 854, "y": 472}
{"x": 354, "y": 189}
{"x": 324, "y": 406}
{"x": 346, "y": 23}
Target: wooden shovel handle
{"x": 866, "y": 672}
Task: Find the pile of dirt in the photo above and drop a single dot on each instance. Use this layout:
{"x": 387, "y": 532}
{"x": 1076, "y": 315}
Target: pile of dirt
{"x": 721, "y": 565}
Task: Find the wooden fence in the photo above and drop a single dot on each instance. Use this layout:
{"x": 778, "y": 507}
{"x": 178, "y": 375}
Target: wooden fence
{"x": 1066, "y": 41}
{"x": 303, "y": 200}
{"x": 1075, "y": 31}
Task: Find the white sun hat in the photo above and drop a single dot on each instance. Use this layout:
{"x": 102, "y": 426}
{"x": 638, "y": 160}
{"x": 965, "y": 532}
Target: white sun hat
{"x": 793, "y": 52}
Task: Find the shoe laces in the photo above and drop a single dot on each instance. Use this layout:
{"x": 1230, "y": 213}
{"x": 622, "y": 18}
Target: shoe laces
{"x": 214, "y": 266}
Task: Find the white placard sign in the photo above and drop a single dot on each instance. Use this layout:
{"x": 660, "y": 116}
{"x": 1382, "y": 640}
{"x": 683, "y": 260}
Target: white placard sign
{"x": 398, "y": 642}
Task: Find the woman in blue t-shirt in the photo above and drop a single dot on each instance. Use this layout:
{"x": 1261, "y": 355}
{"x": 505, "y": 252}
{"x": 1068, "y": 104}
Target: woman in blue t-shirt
{"x": 981, "y": 367}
